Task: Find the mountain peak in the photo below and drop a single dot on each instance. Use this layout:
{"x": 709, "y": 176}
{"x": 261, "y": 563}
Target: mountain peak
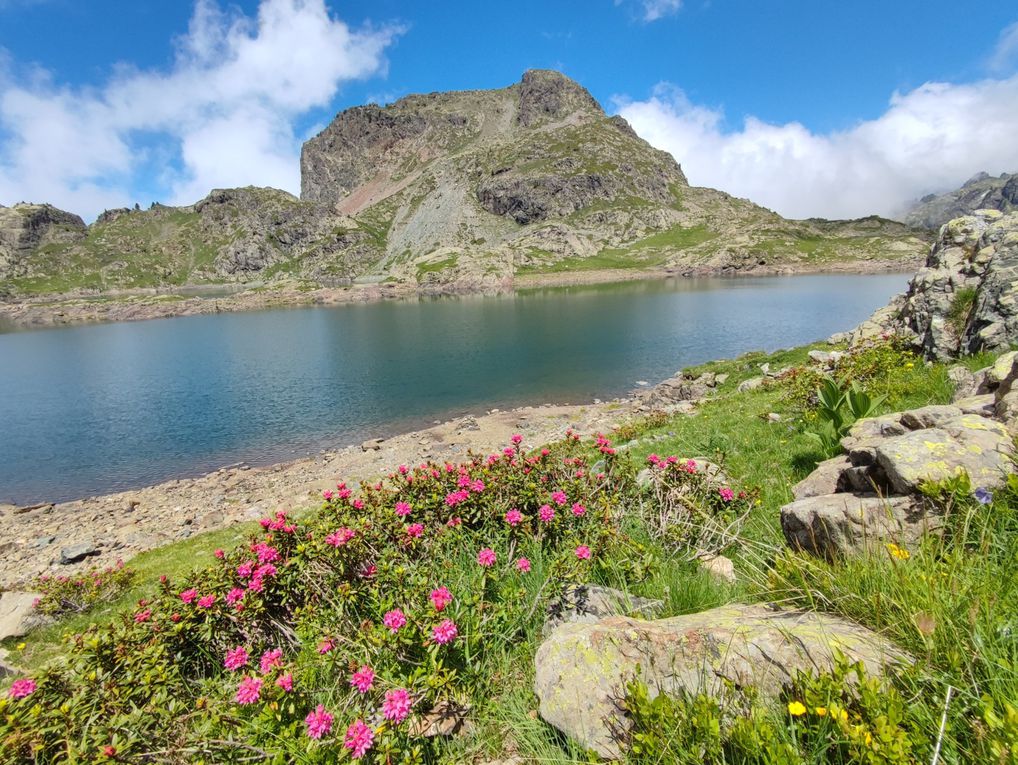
{"x": 546, "y": 94}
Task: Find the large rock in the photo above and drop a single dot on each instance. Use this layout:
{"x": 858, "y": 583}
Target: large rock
{"x": 18, "y": 614}
{"x": 582, "y": 669}
{"x": 838, "y": 525}
{"x": 977, "y": 445}
{"x": 825, "y": 479}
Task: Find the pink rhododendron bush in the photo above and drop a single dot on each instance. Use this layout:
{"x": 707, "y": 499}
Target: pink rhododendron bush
{"x": 332, "y": 634}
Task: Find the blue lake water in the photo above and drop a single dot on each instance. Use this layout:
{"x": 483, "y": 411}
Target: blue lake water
{"x": 93, "y": 409}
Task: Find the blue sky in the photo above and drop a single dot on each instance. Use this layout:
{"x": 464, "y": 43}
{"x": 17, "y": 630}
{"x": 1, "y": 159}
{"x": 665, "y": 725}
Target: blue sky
{"x": 808, "y": 106}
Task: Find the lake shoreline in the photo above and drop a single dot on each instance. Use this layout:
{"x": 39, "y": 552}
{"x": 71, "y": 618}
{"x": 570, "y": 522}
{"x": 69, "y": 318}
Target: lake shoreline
{"x": 68, "y": 310}
{"x": 120, "y": 525}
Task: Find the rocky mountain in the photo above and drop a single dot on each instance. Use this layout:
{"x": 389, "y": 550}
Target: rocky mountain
{"x": 965, "y": 297}
{"x": 462, "y": 190}
{"x": 980, "y": 192}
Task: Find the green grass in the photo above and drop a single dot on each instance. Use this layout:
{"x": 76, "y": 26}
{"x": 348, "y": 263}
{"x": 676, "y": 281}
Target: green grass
{"x": 964, "y": 587}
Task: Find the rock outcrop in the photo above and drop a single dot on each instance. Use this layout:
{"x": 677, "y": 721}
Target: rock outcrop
{"x": 980, "y": 192}
{"x": 870, "y": 496}
{"x": 28, "y": 228}
{"x": 582, "y": 669}
{"x": 965, "y": 298}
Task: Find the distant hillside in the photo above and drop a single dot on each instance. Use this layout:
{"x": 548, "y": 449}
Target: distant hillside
{"x": 462, "y": 190}
{"x": 980, "y": 192}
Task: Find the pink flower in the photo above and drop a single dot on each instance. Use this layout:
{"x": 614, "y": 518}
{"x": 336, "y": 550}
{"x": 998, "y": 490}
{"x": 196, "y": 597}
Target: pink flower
{"x": 477, "y": 486}
{"x": 263, "y": 571}
{"x": 244, "y": 570}
{"x": 403, "y": 470}
{"x": 234, "y": 596}
{"x": 445, "y": 632}
{"x": 396, "y": 705}
{"x": 486, "y": 557}
{"x": 270, "y": 659}
{"x": 690, "y": 466}
{"x": 327, "y": 495}
{"x": 653, "y": 459}
{"x": 340, "y": 537}
{"x": 206, "y": 601}
{"x": 359, "y": 738}
{"x": 453, "y": 522}
{"x": 546, "y": 513}
{"x": 559, "y": 497}
{"x": 523, "y": 564}
{"x": 143, "y": 616}
{"x": 249, "y": 690}
{"x": 358, "y": 504}
{"x": 326, "y": 645}
{"x": 415, "y": 530}
{"x": 726, "y": 494}
{"x": 266, "y": 553}
{"x": 285, "y": 682}
{"x": 21, "y": 688}
{"x": 440, "y": 598}
{"x": 394, "y": 620}
{"x": 578, "y": 509}
{"x": 188, "y": 595}
{"x": 218, "y": 552}
{"x": 319, "y": 722}
{"x": 368, "y": 570}
{"x": 454, "y": 498}
{"x": 582, "y": 552}
{"x": 235, "y": 659}
{"x": 363, "y": 679}
{"x": 403, "y": 509}
{"x": 513, "y": 517}
{"x": 517, "y": 439}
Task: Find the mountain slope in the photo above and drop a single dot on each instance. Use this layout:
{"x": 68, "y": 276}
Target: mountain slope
{"x": 980, "y": 192}
{"x": 462, "y": 190}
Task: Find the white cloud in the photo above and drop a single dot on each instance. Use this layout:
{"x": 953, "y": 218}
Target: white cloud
{"x": 227, "y": 106}
{"x": 1004, "y": 57}
{"x": 652, "y": 10}
{"x": 930, "y": 139}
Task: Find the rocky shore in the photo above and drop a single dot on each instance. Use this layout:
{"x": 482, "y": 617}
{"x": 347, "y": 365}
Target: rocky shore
{"x": 69, "y": 536}
{"x": 65, "y": 310}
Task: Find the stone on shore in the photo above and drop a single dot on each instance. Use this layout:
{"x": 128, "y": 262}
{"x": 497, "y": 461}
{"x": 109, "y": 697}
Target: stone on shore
{"x": 18, "y": 614}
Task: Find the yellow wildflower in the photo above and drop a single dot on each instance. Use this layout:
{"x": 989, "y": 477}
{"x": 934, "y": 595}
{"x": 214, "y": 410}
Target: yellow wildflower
{"x": 796, "y": 709}
{"x": 898, "y": 552}
{"x": 21, "y": 646}
{"x": 822, "y": 711}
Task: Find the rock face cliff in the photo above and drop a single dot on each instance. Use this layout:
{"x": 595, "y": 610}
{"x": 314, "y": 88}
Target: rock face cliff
{"x": 980, "y": 192}
{"x": 27, "y": 228}
{"x": 965, "y": 297}
{"x": 463, "y": 190}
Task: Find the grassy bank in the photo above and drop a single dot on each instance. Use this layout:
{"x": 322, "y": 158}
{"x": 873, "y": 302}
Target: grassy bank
{"x": 148, "y": 682}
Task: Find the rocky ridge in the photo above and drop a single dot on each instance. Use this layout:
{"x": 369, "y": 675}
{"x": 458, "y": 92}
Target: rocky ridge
{"x": 463, "y": 191}
{"x": 980, "y": 192}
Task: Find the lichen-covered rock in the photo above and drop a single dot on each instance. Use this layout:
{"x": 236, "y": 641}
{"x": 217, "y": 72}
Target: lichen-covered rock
{"x": 977, "y": 445}
{"x": 838, "y": 525}
{"x": 965, "y": 297}
{"x": 582, "y": 669}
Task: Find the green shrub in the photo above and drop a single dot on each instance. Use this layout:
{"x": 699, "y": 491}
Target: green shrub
{"x": 83, "y": 591}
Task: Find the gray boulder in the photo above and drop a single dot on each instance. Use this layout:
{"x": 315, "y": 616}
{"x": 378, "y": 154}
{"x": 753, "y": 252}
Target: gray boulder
{"x": 977, "y": 445}
{"x": 18, "y": 614}
{"x": 582, "y": 669}
{"x": 825, "y": 479}
{"x": 839, "y": 525}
